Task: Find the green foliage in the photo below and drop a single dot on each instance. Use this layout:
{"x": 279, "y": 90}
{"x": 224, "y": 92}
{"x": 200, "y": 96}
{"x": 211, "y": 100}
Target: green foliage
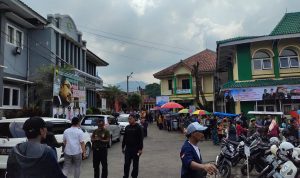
{"x": 89, "y": 111}
{"x": 152, "y": 90}
{"x": 134, "y": 101}
{"x": 112, "y": 93}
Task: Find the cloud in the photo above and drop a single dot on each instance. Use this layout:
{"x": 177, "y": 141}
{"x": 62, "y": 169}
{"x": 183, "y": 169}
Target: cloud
{"x": 140, "y": 6}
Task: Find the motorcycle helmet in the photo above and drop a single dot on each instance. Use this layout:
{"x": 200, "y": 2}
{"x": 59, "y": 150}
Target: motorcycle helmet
{"x": 288, "y": 170}
{"x": 285, "y": 147}
{"x": 274, "y": 149}
{"x": 296, "y": 154}
{"x": 274, "y": 141}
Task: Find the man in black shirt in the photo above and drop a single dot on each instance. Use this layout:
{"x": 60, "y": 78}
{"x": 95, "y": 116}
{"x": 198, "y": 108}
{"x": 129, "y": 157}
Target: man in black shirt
{"x": 132, "y": 146}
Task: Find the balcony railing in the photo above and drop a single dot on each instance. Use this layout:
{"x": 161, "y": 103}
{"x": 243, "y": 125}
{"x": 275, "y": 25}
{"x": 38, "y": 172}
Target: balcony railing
{"x": 183, "y": 91}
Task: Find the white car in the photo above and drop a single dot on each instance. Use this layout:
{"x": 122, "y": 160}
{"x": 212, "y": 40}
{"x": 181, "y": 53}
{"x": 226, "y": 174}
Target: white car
{"x": 89, "y": 123}
{"x": 12, "y": 133}
{"x": 123, "y": 122}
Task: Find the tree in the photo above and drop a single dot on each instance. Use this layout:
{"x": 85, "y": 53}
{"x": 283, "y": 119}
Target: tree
{"x": 196, "y": 74}
{"x": 134, "y": 101}
{"x": 112, "y": 93}
{"x": 152, "y": 90}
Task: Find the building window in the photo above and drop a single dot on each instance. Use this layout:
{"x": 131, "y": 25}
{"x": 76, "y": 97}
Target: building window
{"x": 185, "y": 84}
{"x": 11, "y": 97}
{"x": 170, "y": 85}
{"x": 262, "y": 61}
{"x": 269, "y": 108}
{"x": 289, "y": 59}
{"x": 14, "y": 36}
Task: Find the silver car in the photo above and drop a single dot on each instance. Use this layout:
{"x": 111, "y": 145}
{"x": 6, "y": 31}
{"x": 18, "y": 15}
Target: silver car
{"x": 89, "y": 123}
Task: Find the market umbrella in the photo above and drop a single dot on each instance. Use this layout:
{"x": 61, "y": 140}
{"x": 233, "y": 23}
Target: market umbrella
{"x": 201, "y": 112}
{"x": 171, "y": 105}
{"x": 184, "y": 111}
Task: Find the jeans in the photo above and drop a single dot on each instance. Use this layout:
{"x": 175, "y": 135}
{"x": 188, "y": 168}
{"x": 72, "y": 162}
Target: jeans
{"x": 131, "y": 155}
{"x": 72, "y": 163}
{"x": 100, "y": 155}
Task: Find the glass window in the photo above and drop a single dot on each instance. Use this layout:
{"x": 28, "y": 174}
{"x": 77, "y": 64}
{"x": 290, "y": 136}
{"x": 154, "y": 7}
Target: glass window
{"x": 288, "y": 52}
{"x": 15, "y": 98}
{"x": 91, "y": 120}
{"x": 10, "y": 37}
{"x": 261, "y": 54}
{"x": 19, "y": 38}
{"x": 267, "y": 64}
{"x": 284, "y": 62}
{"x": 6, "y": 96}
{"x": 270, "y": 108}
{"x": 260, "y": 108}
{"x": 185, "y": 84}
{"x": 170, "y": 85}
{"x": 294, "y": 62}
{"x": 257, "y": 64}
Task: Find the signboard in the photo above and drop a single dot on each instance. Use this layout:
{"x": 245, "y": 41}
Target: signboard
{"x": 263, "y": 93}
{"x": 69, "y": 96}
{"x": 160, "y": 100}
{"x": 103, "y": 103}
{"x": 183, "y": 91}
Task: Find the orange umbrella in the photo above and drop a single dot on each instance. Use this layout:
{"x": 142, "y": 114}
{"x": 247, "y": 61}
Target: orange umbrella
{"x": 171, "y": 105}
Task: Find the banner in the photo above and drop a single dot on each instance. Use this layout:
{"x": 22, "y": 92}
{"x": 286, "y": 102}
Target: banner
{"x": 263, "y": 93}
{"x": 160, "y": 100}
{"x": 69, "y": 96}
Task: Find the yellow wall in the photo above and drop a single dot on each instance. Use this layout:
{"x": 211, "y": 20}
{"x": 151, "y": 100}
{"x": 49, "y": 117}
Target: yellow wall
{"x": 164, "y": 88}
{"x": 181, "y": 70}
{"x": 208, "y": 84}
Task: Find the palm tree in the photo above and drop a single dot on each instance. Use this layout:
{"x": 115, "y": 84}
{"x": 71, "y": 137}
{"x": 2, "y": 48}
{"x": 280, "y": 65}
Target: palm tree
{"x": 112, "y": 93}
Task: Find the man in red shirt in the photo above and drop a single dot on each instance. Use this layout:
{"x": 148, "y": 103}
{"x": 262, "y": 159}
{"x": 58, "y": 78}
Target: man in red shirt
{"x": 239, "y": 129}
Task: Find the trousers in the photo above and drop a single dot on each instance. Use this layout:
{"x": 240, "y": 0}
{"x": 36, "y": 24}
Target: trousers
{"x": 100, "y": 156}
{"x": 131, "y": 155}
{"x": 72, "y": 164}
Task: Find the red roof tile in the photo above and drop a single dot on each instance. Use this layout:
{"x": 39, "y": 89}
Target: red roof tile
{"x": 206, "y": 59}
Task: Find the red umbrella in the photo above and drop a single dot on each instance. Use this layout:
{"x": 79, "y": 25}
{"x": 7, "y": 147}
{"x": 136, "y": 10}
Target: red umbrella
{"x": 171, "y": 105}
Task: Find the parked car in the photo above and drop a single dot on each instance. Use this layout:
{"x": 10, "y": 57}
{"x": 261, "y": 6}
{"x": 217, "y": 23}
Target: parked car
{"x": 89, "y": 123}
{"x": 12, "y": 133}
{"x": 123, "y": 122}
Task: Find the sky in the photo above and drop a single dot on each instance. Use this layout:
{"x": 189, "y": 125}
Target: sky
{"x": 146, "y": 36}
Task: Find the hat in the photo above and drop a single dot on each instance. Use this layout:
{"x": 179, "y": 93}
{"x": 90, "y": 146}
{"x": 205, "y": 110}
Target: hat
{"x": 34, "y": 124}
{"x": 252, "y": 119}
{"x": 195, "y": 126}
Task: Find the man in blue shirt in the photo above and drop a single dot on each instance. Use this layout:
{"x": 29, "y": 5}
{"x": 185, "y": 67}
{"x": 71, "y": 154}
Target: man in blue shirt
{"x": 192, "y": 166}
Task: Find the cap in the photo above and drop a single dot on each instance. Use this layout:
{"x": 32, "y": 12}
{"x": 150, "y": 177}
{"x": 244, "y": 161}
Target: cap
{"x": 34, "y": 124}
{"x": 195, "y": 126}
{"x": 252, "y": 119}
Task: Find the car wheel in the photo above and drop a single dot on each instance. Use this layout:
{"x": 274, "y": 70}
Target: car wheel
{"x": 88, "y": 150}
{"x": 110, "y": 142}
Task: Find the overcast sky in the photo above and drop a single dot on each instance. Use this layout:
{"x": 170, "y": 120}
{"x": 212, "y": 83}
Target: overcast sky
{"x": 145, "y": 36}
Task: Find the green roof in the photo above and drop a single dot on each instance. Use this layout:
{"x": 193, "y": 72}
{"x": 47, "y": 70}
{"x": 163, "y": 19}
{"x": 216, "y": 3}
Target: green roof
{"x": 261, "y": 83}
{"x": 289, "y": 24}
{"x": 236, "y": 39}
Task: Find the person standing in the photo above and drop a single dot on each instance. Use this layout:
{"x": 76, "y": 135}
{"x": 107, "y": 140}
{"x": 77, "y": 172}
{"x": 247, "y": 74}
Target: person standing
{"x": 252, "y": 127}
{"x": 31, "y": 158}
{"x": 100, "y": 139}
{"x": 192, "y": 165}
{"x": 144, "y": 125}
{"x": 132, "y": 146}
{"x": 74, "y": 150}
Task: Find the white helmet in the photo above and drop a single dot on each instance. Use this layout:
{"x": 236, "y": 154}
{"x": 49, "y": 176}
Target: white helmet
{"x": 296, "y": 154}
{"x": 274, "y": 141}
{"x": 288, "y": 170}
{"x": 285, "y": 147}
{"x": 274, "y": 149}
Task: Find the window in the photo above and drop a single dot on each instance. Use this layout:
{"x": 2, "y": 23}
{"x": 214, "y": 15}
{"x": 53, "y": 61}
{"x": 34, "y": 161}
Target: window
{"x": 11, "y": 97}
{"x": 185, "y": 84}
{"x": 262, "y": 61}
{"x": 265, "y": 108}
{"x": 289, "y": 59}
{"x": 10, "y": 34}
{"x": 170, "y": 85}
{"x": 14, "y": 36}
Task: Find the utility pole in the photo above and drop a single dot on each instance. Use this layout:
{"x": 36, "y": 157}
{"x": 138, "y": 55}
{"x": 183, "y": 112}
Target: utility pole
{"x": 128, "y": 76}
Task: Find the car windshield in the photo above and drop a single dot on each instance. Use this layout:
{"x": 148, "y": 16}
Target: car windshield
{"x": 122, "y": 119}
{"x": 91, "y": 120}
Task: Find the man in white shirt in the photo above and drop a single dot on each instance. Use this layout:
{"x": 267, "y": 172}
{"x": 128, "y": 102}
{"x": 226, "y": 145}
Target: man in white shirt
{"x": 74, "y": 150}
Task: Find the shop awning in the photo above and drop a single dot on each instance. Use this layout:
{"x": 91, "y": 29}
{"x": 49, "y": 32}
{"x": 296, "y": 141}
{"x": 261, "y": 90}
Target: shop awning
{"x": 261, "y": 83}
{"x": 17, "y": 80}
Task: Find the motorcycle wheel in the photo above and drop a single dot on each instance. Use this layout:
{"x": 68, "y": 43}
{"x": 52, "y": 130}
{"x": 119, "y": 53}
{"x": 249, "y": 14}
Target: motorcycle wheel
{"x": 244, "y": 169}
{"x": 225, "y": 171}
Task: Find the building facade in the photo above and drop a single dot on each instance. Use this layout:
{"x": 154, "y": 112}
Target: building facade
{"x": 262, "y": 72}
{"x": 178, "y": 82}
{"x": 43, "y": 59}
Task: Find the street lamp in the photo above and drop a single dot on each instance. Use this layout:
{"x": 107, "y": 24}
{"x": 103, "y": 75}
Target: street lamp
{"x": 128, "y": 76}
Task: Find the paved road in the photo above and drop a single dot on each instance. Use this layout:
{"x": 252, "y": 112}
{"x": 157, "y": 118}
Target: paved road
{"x": 160, "y": 158}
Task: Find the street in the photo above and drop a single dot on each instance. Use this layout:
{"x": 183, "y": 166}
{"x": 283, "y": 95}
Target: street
{"x": 160, "y": 157}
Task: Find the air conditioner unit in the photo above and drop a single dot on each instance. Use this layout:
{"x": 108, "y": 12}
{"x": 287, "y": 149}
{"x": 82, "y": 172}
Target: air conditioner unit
{"x": 18, "y": 50}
